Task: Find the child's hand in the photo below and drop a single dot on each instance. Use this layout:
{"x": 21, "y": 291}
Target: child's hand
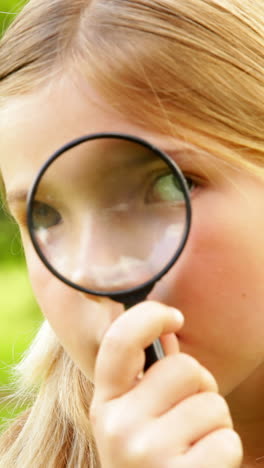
{"x": 171, "y": 418}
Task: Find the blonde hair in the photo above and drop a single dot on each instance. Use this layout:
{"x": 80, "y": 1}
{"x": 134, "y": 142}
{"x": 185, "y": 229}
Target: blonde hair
{"x": 55, "y": 432}
{"x": 191, "y": 69}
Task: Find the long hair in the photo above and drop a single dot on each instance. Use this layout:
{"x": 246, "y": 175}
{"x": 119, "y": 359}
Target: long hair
{"x": 192, "y": 70}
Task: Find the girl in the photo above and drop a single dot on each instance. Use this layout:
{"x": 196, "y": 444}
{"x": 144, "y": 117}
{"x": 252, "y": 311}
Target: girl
{"x": 188, "y": 77}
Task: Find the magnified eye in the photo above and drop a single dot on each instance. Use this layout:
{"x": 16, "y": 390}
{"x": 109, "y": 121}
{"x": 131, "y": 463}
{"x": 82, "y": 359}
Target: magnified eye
{"x": 166, "y": 188}
{"x": 45, "y": 216}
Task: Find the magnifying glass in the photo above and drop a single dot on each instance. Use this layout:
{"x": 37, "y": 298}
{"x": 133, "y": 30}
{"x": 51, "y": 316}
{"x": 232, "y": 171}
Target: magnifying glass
{"x": 109, "y": 214}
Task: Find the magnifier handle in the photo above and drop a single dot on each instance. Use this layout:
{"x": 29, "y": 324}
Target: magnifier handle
{"x": 153, "y": 353}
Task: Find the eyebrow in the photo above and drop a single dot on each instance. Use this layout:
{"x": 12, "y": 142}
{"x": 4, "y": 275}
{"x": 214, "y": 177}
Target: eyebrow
{"x": 21, "y": 195}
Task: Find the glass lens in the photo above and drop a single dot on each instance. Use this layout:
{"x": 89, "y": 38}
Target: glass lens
{"x": 109, "y": 214}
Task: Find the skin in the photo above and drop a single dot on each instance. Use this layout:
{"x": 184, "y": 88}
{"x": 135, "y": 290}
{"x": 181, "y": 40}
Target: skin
{"x": 217, "y": 284}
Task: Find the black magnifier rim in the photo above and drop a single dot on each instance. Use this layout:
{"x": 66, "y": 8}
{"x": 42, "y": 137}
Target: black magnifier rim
{"x": 147, "y": 286}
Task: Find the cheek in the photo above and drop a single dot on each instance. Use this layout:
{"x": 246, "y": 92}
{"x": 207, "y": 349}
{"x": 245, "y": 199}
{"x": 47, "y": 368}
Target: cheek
{"x": 210, "y": 276}
{"x": 221, "y": 275}
{"x": 79, "y": 321}
{"x": 223, "y": 262}
{"x": 217, "y": 283}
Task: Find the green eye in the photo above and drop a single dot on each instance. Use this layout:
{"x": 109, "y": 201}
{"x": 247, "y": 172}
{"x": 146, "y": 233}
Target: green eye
{"x": 45, "y": 216}
{"x": 167, "y": 189}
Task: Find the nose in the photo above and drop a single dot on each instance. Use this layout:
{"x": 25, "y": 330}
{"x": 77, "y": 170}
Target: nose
{"x": 106, "y": 255}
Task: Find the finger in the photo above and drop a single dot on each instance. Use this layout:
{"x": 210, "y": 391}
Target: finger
{"x": 192, "y": 420}
{"x": 170, "y": 344}
{"x": 221, "y": 448}
{"x": 168, "y": 382}
{"x": 121, "y": 356}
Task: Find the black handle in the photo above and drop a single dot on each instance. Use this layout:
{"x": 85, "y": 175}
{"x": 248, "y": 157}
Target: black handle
{"x": 153, "y": 353}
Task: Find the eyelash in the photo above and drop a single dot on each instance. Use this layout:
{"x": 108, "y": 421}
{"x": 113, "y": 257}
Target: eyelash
{"x": 197, "y": 181}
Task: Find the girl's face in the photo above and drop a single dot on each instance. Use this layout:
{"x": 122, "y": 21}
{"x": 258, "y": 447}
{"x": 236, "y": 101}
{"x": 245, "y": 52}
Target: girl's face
{"x": 218, "y": 281}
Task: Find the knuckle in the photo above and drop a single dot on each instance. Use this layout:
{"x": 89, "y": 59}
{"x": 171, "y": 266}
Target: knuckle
{"x": 209, "y": 381}
{"x": 197, "y": 373}
{"x": 190, "y": 365}
{"x": 114, "y": 428}
{"x": 231, "y": 445}
{"x": 223, "y": 409}
{"x": 115, "y": 342}
{"x": 195, "y": 377}
{"x": 216, "y": 401}
{"x": 138, "y": 450}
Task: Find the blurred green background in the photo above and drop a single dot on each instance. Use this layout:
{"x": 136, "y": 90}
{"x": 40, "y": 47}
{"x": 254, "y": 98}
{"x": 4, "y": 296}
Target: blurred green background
{"x": 8, "y": 10}
{"x": 19, "y": 315}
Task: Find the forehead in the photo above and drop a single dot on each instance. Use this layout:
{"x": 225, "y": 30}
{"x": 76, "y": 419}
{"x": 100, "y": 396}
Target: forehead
{"x": 35, "y": 125}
